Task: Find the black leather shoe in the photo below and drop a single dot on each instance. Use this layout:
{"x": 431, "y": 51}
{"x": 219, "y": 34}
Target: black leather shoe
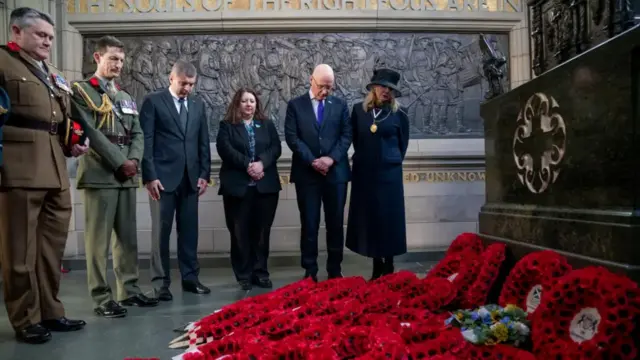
{"x": 63, "y": 324}
{"x": 313, "y": 277}
{"x": 111, "y": 310}
{"x": 264, "y": 283}
{"x": 33, "y": 334}
{"x": 140, "y": 300}
{"x": 245, "y": 285}
{"x": 336, "y": 276}
{"x": 164, "y": 294}
{"x": 195, "y": 287}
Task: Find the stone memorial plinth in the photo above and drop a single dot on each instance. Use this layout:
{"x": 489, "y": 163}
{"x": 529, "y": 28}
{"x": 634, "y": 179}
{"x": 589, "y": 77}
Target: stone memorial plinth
{"x": 563, "y": 160}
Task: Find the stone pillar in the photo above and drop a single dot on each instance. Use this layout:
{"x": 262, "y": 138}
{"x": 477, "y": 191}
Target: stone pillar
{"x": 70, "y": 45}
{"x": 6, "y": 6}
{"x": 519, "y": 52}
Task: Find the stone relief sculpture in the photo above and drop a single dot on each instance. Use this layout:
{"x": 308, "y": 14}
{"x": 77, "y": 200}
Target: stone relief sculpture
{"x": 443, "y": 78}
{"x": 493, "y": 66}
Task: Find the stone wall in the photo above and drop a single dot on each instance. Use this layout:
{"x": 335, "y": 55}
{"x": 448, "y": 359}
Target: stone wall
{"x": 444, "y": 191}
{"x": 444, "y": 185}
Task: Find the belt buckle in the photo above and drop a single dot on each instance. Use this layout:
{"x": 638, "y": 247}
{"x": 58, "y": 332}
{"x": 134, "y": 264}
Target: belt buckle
{"x": 53, "y": 129}
{"x": 120, "y": 140}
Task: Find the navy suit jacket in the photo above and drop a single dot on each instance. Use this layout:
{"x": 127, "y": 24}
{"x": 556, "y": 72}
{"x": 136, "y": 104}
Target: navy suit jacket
{"x": 309, "y": 141}
{"x": 168, "y": 150}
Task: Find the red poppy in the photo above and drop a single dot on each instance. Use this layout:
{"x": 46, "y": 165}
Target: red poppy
{"x": 94, "y": 82}
{"x": 12, "y": 46}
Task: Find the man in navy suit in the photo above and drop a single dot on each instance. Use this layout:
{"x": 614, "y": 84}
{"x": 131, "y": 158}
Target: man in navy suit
{"x": 318, "y": 132}
{"x": 176, "y": 168}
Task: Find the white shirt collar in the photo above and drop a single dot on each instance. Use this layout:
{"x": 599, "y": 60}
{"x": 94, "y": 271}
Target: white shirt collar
{"x": 312, "y": 96}
{"x": 173, "y": 95}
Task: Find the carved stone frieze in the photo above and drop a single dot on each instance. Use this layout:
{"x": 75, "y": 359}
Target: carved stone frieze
{"x": 562, "y": 29}
{"x": 442, "y": 76}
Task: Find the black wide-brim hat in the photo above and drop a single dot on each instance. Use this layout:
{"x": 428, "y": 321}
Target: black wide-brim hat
{"x": 387, "y": 78}
{"x": 5, "y": 106}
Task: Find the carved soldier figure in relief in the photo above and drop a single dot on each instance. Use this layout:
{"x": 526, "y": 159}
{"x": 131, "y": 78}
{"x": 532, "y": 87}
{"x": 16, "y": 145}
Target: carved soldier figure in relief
{"x": 162, "y": 65}
{"x": 493, "y": 68}
{"x": 142, "y": 71}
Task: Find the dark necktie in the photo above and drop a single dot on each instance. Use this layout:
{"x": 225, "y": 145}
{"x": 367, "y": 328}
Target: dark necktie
{"x": 320, "y": 111}
{"x": 183, "y": 114}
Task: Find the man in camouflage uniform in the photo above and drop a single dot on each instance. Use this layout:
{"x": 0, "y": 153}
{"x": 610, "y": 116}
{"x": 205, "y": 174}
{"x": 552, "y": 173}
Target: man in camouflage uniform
{"x": 35, "y": 195}
{"x": 108, "y": 175}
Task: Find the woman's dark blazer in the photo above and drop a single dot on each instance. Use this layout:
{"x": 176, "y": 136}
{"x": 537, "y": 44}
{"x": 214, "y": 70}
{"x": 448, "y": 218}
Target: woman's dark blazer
{"x": 232, "y": 144}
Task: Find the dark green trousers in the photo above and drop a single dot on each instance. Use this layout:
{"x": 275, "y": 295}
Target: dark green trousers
{"x": 107, "y": 212}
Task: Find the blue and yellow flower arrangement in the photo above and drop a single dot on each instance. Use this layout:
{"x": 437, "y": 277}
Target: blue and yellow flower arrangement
{"x": 492, "y": 324}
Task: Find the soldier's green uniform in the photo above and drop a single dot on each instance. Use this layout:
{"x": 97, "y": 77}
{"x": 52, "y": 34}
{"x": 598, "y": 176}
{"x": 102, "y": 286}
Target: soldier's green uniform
{"x": 110, "y": 200}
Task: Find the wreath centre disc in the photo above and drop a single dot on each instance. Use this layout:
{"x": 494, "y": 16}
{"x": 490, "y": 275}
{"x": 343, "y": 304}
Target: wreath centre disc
{"x": 584, "y": 325}
{"x": 452, "y": 277}
{"x": 533, "y": 298}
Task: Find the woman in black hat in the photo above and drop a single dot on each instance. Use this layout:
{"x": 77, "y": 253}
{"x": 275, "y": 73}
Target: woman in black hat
{"x": 376, "y": 226}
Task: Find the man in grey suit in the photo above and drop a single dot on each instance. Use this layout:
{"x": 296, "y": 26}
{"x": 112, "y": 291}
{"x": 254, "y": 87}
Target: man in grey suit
{"x": 176, "y": 168}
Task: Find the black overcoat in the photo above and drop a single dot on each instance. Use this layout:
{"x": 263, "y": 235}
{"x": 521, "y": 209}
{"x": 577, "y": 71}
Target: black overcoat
{"x": 377, "y": 226}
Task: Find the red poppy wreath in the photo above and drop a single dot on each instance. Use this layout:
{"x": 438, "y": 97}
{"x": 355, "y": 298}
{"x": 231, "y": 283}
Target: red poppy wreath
{"x": 588, "y": 314}
{"x": 531, "y": 277}
{"x": 491, "y": 261}
{"x": 460, "y": 269}
{"x": 499, "y": 351}
{"x": 466, "y": 242}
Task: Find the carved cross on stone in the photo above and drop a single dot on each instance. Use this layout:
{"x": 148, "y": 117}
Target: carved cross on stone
{"x": 538, "y": 143}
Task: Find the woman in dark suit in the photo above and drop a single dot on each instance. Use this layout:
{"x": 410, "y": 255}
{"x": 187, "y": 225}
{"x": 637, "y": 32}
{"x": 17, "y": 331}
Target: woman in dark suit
{"x": 249, "y": 147}
{"x": 376, "y": 226}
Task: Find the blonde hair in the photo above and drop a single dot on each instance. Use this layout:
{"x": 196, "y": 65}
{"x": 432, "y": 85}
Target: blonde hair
{"x": 372, "y": 101}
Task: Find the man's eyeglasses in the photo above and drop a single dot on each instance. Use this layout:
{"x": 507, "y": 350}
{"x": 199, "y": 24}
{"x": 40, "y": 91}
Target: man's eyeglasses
{"x": 322, "y": 86}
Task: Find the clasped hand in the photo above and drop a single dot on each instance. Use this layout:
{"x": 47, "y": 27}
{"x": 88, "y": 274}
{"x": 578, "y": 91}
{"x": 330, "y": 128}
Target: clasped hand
{"x": 256, "y": 170}
{"x": 322, "y": 164}
{"x": 129, "y": 168}
{"x": 78, "y": 150}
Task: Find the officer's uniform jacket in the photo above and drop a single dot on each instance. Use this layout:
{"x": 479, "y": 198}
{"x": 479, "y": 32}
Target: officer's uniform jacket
{"x": 114, "y": 134}
{"x": 33, "y": 158}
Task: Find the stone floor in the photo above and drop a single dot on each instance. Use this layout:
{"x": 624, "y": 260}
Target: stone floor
{"x": 145, "y": 332}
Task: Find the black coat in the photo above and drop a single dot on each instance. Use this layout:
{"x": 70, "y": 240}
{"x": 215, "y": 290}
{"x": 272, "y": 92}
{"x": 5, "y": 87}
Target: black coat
{"x": 309, "y": 141}
{"x": 232, "y": 144}
{"x": 168, "y": 150}
{"x": 377, "y": 225}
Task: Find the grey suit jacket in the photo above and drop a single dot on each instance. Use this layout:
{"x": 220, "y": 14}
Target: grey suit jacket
{"x": 168, "y": 150}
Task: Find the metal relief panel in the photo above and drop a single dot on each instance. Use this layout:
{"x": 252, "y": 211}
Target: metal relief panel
{"x": 442, "y": 83}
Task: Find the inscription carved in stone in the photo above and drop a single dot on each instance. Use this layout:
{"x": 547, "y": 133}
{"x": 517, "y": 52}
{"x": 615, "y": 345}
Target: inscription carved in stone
{"x": 442, "y": 84}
